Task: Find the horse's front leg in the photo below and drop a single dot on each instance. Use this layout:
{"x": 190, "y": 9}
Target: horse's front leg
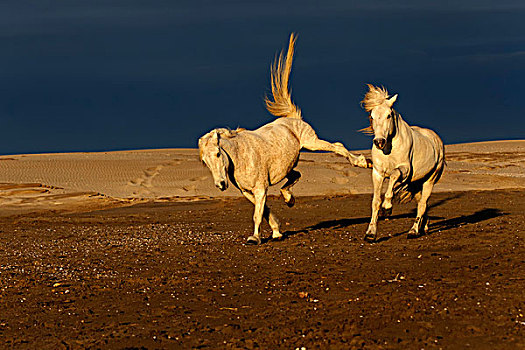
{"x": 371, "y": 232}
{"x": 259, "y": 198}
{"x": 268, "y": 215}
{"x": 386, "y": 207}
{"x": 291, "y": 179}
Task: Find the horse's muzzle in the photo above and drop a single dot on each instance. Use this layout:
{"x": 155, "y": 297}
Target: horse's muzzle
{"x": 380, "y": 142}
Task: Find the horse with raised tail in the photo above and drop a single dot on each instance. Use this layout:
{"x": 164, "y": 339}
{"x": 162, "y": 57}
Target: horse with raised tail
{"x": 252, "y": 160}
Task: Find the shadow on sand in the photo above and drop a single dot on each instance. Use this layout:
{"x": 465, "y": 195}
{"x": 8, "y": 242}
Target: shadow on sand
{"x": 480, "y": 215}
{"x": 343, "y": 223}
{"x": 443, "y": 225}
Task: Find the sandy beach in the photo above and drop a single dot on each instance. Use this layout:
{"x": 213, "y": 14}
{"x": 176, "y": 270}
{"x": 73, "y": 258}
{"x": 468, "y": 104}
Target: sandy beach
{"x": 69, "y": 180}
{"x": 137, "y": 249}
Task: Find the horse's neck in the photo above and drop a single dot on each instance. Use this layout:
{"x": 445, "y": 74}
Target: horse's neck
{"x": 402, "y": 128}
{"x": 230, "y": 147}
{"x": 403, "y": 132}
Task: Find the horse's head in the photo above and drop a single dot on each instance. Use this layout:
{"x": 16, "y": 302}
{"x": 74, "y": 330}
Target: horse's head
{"x": 215, "y": 158}
{"x": 382, "y": 119}
{"x": 382, "y": 116}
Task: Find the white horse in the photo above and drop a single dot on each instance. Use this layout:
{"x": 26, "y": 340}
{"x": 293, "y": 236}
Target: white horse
{"x": 254, "y": 160}
{"x": 412, "y": 157}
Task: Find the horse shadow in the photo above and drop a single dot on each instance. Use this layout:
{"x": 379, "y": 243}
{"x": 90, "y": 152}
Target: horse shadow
{"x": 480, "y": 215}
{"x": 448, "y": 224}
{"x": 343, "y": 223}
{"x": 435, "y": 226}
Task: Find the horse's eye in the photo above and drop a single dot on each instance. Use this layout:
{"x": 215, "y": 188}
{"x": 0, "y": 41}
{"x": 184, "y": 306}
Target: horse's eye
{"x": 218, "y": 154}
{"x": 389, "y": 116}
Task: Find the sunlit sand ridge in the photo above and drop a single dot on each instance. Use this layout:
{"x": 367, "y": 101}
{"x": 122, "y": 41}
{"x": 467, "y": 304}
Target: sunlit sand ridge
{"x": 69, "y": 181}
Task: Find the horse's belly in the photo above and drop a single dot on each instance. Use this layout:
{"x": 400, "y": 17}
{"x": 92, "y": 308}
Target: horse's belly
{"x": 424, "y": 163}
{"x": 274, "y": 150}
{"x": 281, "y": 167}
{"x": 420, "y": 171}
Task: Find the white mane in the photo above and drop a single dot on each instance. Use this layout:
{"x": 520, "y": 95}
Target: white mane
{"x": 375, "y": 96}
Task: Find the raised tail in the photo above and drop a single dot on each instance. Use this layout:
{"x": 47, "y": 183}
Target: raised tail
{"x": 282, "y": 105}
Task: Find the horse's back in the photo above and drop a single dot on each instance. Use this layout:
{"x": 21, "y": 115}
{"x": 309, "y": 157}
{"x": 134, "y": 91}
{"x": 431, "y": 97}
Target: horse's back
{"x": 271, "y": 150}
{"x": 428, "y": 152}
{"x": 280, "y": 134}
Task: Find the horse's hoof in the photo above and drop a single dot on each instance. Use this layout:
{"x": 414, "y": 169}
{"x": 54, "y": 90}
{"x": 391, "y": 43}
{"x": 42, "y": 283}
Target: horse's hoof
{"x": 385, "y": 212}
{"x": 278, "y": 237}
{"x": 413, "y": 234}
{"x": 291, "y": 202}
{"x": 370, "y": 238}
{"x": 253, "y": 240}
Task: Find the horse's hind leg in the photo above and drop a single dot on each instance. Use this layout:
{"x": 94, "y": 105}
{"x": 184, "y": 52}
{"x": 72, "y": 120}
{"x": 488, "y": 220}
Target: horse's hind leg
{"x": 313, "y": 143}
{"x": 421, "y": 219}
{"x": 291, "y": 179}
{"x": 267, "y": 214}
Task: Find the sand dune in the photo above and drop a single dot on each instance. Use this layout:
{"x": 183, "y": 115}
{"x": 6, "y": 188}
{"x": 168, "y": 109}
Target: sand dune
{"x": 69, "y": 180}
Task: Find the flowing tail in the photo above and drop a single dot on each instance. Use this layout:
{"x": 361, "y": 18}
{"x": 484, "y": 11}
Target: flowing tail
{"x": 282, "y": 105}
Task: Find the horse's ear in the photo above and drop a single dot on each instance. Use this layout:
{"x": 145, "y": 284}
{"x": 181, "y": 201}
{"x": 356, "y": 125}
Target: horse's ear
{"x": 391, "y": 100}
{"x": 216, "y": 136}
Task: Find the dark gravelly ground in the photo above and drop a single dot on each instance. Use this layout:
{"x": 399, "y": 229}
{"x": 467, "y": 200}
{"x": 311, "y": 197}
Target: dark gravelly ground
{"x": 178, "y": 275}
